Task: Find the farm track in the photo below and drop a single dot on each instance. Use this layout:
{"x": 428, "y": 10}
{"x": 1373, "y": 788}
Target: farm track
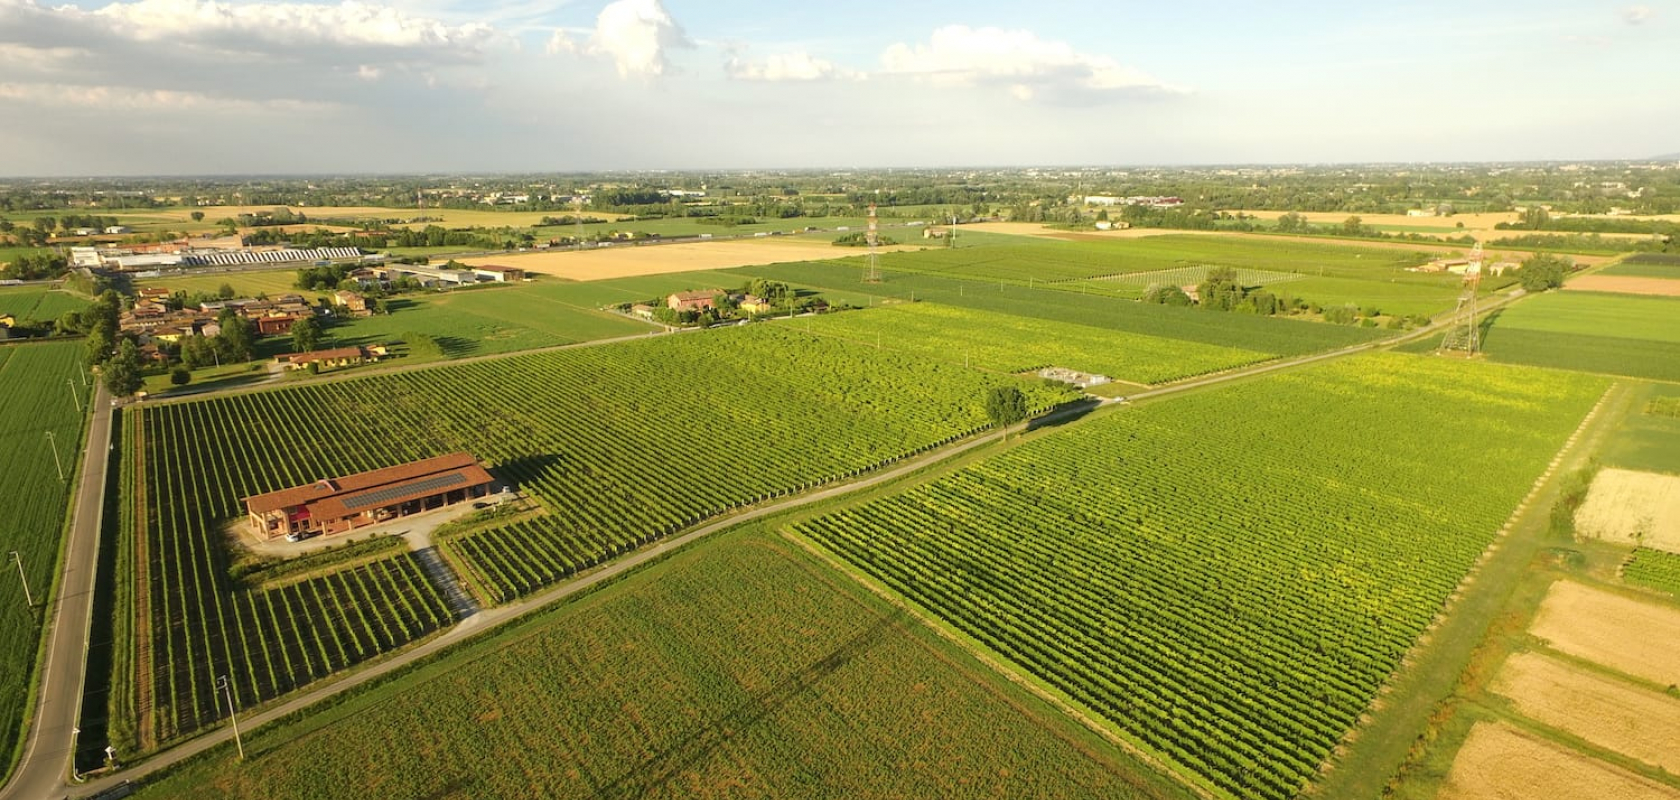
{"x": 41, "y": 772}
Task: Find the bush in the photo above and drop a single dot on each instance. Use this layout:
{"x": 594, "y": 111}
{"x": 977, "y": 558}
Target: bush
{"x": 180, "y": 376}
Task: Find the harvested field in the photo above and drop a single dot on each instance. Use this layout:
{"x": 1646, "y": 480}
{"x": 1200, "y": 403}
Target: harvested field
{"x": 621, "y": 261}
{"x": 1622, "y": 284}
{"x": 1610, "y": 713}
{"x": 1633, "y": 508}
{"x": 1637, "y": 637}
{"x": 1498, "y": 761}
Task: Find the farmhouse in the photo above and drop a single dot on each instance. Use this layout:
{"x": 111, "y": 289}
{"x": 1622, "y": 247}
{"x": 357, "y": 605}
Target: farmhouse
{"x": 335, "y": 357}
{"x": 753, "y": 304}
{"x": 337, "y": 505}
{"x": 692, "y": 301}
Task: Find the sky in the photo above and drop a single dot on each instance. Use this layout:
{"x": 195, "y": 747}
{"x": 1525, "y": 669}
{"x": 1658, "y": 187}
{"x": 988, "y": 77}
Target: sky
{"x": 205, "y": 87}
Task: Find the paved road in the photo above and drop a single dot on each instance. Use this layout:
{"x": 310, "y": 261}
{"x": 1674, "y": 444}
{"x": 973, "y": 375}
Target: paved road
{"x": 42, "y": 771}
{"x": 46, "y": 753}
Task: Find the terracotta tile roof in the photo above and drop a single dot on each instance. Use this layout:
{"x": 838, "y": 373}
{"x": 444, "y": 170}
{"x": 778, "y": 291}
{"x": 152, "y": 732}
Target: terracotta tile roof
{"x": 388, "y": 477}
{"x": 321, "y": 355}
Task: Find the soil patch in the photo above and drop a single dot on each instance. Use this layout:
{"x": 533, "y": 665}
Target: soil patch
{"x": 1633, "y": 508}
{"x": 1625, "y": 284}
{"x": 1611, "y": 713}
{"x": 1637, "y": 637}
{"x": 1498, "y": 761}
{"x": 624, "y": 261}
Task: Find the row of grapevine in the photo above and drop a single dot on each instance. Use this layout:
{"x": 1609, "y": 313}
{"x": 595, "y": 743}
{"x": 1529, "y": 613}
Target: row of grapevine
{"x": 1228, "y": 578}
{"x": 619, "y": 444}
{"x": 1010, "y": 343}
{"x": 1654, "y": 569}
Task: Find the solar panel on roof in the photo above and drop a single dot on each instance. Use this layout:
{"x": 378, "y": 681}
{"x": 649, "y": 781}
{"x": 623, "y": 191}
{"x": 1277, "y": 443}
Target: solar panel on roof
{"x": 382, "y": 496}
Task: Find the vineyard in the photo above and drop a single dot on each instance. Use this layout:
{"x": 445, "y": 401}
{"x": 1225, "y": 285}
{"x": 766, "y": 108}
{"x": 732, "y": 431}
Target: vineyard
{"x": 739, "y": 669}
{"x": 1653, "y": 569}
{"x": 38, "y": 381}
{"x": 1227, "y": 579}
{"x": 1615, "y": 334}
{"x": 620, "y": 444}
{"x": 1009, "y": 343}
{"x": 1284, "y": 337}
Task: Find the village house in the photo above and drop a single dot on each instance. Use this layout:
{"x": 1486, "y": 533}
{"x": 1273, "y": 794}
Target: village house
{"x": 753, "y": 304}
{"x": 334, "y": 357}
{"x": 692, "y": 301}
{"x": 353, "y": 304}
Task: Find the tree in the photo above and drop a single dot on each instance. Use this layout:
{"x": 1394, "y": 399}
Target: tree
{"x": 1005, "y": 406}
{"x": 235, "y": 340}
{"x": 198, "y": 216}
{"x": 306, "y": 335}
{"x": 225, "y": 291}
{"x": 122, "y": 371}
{"x": 1353, "y": 226}
{"x": 1167, "y": 295}
{"x": 197, "y": 351}
{"x": 1291, "y": 223}
{"x": 180, "y": 376}
{"x": 382, "y": 306}
{"x": 1543, "y": 271}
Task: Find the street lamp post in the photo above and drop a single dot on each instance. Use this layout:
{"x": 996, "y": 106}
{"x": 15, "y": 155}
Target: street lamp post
{"x": 74, "y": 775}
{"x": 52, "y": 440}
{"x": 28, "y": 598}
{"x": 227, "y": 691}
{"x": 73, "y": 395}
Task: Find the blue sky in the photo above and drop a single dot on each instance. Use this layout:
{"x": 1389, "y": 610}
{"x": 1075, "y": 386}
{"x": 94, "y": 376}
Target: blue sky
{"x": 215, "y": 86}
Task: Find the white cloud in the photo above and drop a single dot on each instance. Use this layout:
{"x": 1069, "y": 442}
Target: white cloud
{"x": 128, "y": 98}
{"x": 348, "y": 23}
{"x": 560, "y": 43}
{"x": 635, "y": 34}
{"x": 795, "y": 66}
{"x": 1018, "y": 60}
{"x": 1636, "y": 15}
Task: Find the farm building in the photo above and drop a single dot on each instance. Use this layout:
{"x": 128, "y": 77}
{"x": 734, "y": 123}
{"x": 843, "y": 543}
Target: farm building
{"x": 497, "y": 273}
{"x": 338, "y": 505}
{"x": 335, "y": 357}
{"x": 692, "y": 301}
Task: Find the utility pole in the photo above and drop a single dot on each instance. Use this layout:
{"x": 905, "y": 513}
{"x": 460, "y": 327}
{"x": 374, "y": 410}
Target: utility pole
{"x": 52, "y": 440}
{"x": 73, "y": 396}
{"x": 28, "y": 599}
{"x": 227, "y": 690}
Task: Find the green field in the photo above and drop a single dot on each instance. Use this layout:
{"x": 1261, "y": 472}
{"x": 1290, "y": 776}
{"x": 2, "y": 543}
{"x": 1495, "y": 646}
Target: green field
{"x": 740, "y": 668}
{"x": 1653, "y": 569}
{"x": 1591, "y": 332}
{"x": 44, "y": 305}
{"x": 1648, "y": 437}
{"x": 1646, "y": 265}
{"x": 38, "y": 381}
{"x": 1007, "y": 343}
{"x": 485, "y": 321}
{"x": 1284, "y": 337}
{"x": 1228, "y": 577}
{"x": 620, "y": 444}
{"x": 245, "y": 283}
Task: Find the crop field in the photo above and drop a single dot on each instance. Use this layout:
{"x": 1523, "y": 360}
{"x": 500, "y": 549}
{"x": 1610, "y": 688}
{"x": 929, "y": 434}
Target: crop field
{"x": 1615, "y": 334}
{"x": 1646, "y": 265}
{"x": 44, "y": 305}
{"x": 1653, "y": 569}
{"x": 1223, "y": 593}
{"x": 1284, "y": 337}
{"x": 36, "y": 400}
{"x": 738, "y": 669}
{"x": 1008, "y": 343}
{"x": 629, "y": 260}
{"x": 1045, "y": 260}
{"x": 618, "y": 446}
{"x": 1135, "y": 283}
